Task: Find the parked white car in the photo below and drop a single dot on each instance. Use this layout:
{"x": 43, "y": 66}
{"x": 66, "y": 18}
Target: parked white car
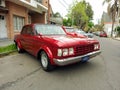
{"x": 89, "y": 35}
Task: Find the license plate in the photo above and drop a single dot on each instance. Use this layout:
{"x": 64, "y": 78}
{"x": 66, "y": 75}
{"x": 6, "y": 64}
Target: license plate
{"x": 84, "y": 59}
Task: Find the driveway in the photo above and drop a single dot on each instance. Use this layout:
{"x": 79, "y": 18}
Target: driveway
{"x": 23, "y": 72}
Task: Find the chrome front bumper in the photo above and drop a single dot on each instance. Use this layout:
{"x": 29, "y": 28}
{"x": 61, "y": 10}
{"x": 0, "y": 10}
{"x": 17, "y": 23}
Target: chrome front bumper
{"x": 70, "y": 60}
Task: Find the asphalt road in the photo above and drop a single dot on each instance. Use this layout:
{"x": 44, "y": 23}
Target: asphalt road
{"x": 23, "y": 72}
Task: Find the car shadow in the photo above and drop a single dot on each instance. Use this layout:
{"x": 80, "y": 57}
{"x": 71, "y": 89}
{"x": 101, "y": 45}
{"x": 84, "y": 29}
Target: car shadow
{"x": 75, "y": 68}
{"x": 77, "y": 65}
{"x": 72, "y": 68}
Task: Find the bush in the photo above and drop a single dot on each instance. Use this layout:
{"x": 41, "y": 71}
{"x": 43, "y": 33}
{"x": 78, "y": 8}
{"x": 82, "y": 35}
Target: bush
{"x": 118, "y": 30}
{"x": 7, "y": 49}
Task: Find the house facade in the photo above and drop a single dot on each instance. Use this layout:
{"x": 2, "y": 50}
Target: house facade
{"x": 108, "y": 24}
{"x": 16, "y": 13}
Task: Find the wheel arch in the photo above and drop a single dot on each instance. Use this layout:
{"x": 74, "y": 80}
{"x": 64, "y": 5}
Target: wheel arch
{"x": 48, "y": 52}
{"x": 17, "y": 42}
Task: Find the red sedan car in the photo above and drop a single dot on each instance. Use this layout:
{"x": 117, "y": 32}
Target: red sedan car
{"x": 53, "y": 47}
{"x": 103, "y": 34}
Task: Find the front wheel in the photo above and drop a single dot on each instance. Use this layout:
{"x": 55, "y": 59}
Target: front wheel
{"x": 45, "y": 63}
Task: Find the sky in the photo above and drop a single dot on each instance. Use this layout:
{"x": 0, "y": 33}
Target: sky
{"x": 62, "y": 7}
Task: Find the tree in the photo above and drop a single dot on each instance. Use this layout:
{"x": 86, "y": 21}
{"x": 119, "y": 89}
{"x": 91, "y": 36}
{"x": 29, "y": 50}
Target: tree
{"x": 89, "y": 10}
{"x": 67, "y": 22}
{"x": 57, "y": 14}
{"x": 112, "y": 11}
{"x": 81, "y": 13}
{"x": 118, "y": 30}
{"x": 90, "y": 26}
{"x": 99, "y": 27}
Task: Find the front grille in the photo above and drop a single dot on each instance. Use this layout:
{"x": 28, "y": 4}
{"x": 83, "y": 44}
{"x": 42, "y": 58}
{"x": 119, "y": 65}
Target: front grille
{"x": 84, "y": 49}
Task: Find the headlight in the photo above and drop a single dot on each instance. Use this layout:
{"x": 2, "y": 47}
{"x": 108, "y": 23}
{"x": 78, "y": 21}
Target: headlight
{"x": 96, "y": 46}
{"x": 65, "y": 52}
{"x": 59, "y": 52}
{"x": 71, "y": 51}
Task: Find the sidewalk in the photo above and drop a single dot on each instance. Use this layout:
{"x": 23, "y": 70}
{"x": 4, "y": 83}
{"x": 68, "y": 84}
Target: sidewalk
{"x": 6, "y": 47}
{"x": 5, "y": 42}
{"x": 118, "y": 38}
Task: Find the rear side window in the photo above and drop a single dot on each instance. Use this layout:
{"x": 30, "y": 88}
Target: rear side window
{"x": 27, "y": 30}
{"x": 24, "y": 30}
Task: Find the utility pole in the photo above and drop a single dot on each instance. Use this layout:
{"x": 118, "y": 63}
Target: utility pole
{"x": 119, "y": 11}
{"x": 48, "y": 11}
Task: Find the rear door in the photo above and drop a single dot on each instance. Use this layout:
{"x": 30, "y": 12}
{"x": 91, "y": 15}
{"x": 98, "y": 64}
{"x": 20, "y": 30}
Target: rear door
{"x": 24, "y": 38}
{"x": 28, "y": 39}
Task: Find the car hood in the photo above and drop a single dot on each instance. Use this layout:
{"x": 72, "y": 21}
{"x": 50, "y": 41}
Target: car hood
{"x": 67, "y": 40}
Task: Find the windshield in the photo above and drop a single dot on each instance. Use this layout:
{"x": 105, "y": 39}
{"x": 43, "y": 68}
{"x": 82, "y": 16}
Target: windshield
{"x": 80, "y": 32}
{"x": 49, "y": 29}
{"x": 69, "y": 29}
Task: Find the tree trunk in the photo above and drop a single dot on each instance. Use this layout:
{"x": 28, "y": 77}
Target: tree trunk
{"x": 112, "y": 29}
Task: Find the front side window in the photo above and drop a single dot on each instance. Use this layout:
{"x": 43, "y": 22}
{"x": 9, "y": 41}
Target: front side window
{"x": 18, "y": 22}
{"x": 49, "y": 29}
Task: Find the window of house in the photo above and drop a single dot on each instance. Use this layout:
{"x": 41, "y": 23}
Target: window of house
{"x": 0, "y": 2}
{"x": 40, "y": 1}
{"x": 18, "y": 22}
{"x": 1, "y": 17}
{"x": 29, "y": 19}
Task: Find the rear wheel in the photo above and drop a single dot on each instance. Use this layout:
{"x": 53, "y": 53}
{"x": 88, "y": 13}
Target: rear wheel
{"x": 45, "y": 63}
{"x": 19, "y": 49}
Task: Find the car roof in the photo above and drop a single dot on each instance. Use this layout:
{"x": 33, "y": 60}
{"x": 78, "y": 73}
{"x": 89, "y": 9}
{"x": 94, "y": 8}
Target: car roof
{"x": 33, "y": 24}
{"x": 68, "y": 27}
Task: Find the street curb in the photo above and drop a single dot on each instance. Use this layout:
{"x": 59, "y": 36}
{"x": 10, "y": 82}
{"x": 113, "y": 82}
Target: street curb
{"x": 116, "y": 39}
{"x": 7, "y": 53}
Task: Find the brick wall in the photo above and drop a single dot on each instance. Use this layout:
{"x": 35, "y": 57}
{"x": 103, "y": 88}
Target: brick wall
{"x": 45, "y": 3}
{"x": 38, "y": 18}
{"x": 15, "y": 9}
{"x": 28, "y": 0}
{"x": 18, "y": 10}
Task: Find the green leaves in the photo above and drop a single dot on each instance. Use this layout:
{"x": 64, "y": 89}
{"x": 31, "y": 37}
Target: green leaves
{"x": 57, "y": 14}
{"x": 67, "y": 22}
{"x": 117, "y": 29}
{"x": 81, "y": 13}
{"x": 9, "y": 48}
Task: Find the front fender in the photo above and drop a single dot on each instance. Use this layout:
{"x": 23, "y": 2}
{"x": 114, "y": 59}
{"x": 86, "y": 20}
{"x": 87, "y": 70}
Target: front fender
{"x": 48, "y": 52}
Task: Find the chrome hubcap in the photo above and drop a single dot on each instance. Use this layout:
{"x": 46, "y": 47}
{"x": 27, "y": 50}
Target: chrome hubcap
{"x": 44, "y": 60}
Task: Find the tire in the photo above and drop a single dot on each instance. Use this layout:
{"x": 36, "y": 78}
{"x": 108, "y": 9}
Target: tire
{"x": 45, "y": 63}
{"x": 84, "y": 61}
{"x": 19, "y": 49}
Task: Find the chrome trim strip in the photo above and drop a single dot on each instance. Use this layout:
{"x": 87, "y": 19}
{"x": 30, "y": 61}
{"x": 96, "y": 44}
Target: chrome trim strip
{"x": 70, "y": 60}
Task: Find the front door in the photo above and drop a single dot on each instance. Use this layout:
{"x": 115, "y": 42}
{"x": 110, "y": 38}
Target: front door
{"x": 3, "y": 29}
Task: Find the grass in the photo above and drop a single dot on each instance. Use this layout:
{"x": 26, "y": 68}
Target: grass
{"x": 8, "y": 49}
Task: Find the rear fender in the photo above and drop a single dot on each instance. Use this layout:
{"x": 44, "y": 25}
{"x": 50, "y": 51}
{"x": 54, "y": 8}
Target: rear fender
{"x": 17, "y": 42}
